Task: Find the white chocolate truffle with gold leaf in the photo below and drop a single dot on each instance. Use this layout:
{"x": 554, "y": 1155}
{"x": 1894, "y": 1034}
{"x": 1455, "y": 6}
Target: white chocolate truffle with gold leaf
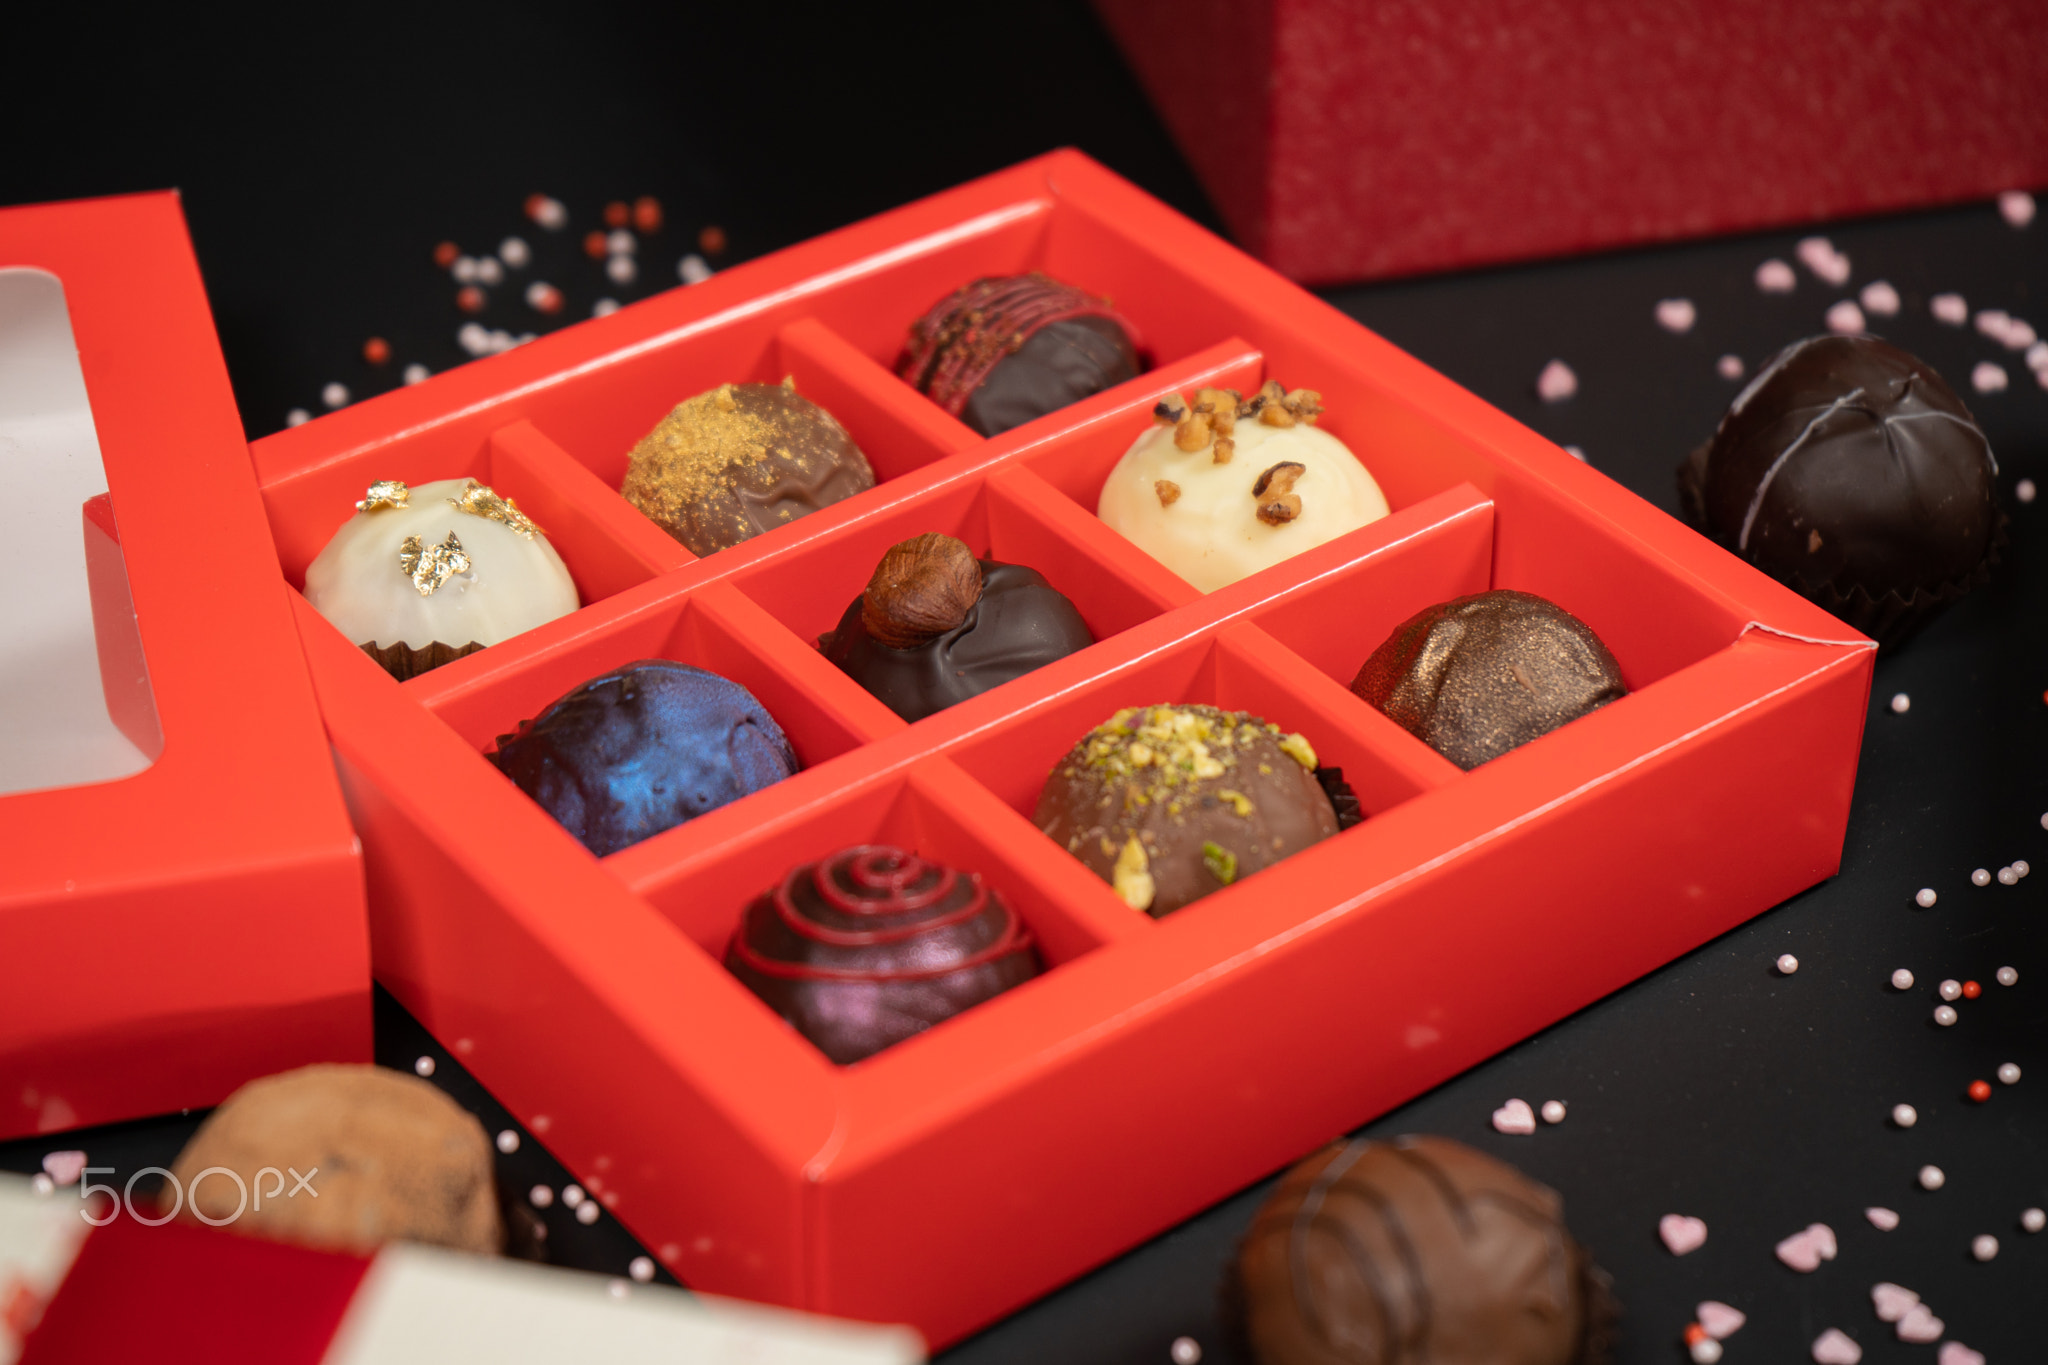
{"x": 420, "y": 576}
{"x": 1225, "y": 486}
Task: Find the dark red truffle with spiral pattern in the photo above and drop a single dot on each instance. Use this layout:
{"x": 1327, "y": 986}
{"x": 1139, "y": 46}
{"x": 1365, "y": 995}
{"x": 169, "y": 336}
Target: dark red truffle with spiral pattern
{"x": 873, "y": 945}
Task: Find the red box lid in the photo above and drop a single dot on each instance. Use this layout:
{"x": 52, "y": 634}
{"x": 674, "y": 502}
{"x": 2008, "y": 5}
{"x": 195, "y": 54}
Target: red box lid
{"x": 170, "y": 933}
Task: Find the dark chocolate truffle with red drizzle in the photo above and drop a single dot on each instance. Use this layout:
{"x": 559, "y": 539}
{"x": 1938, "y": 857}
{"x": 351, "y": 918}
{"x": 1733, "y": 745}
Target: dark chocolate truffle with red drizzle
{"x": 1008, "y": 348}
{"x": 937, "y": 626}
{"x": 1851, "y": 473}
{"x": 874, "y": 945}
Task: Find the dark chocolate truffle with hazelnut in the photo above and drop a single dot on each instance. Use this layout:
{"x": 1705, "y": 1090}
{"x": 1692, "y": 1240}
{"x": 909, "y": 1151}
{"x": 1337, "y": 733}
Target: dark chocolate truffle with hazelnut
{"x": 937, "y": 626}
{"x": 1419, "y": 1249}
{"x": 742, "y": 459}
{"x": 873, "y": 945}
{"x": 1477, "y": 676}
{"x": 1170, "y": 803}
{"x": 1006, "y": 349}
{"x": 1850, "y": 472}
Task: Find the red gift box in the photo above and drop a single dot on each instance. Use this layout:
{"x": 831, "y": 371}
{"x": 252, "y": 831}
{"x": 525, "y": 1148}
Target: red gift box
{"x": 1346, "y": 141}
{"x": 1157, "y": 1065}
{"x": 173, "y": 933}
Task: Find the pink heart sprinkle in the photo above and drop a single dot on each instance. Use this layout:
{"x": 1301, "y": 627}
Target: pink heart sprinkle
{"x": 1800, "y": 1251}
{"x": 1681, "y": 1234}
{"x": 1955, "y": 1353}
{"x": 1775, "y": 277}
{"x": 1823, "y": 1238}
{"x": 1719, "y": 1320}
{"x": 1515, "y": 1117}
{"x": 1836, "y": 1347}
{"x": 1884, "y": 1220}
{"x": 1921, "y": 1325}
{"x": 1556, "y": 383}
{"x": 1676, "y": 315}
{"x": 1893, "y": 1301}
{"x": 64, "y": 1167}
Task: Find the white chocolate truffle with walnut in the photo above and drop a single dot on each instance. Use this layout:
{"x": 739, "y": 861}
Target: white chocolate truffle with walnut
{"x": 420, "y": 576}
{"x": 1225, "y": 486}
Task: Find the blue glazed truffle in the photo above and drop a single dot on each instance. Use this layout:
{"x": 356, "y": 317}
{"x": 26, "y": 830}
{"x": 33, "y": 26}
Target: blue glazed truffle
{"x": 643, "y": 749}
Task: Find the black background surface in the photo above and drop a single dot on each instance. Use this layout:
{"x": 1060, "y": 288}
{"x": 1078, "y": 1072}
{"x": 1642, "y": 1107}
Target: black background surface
{"x": 321, "y": 162}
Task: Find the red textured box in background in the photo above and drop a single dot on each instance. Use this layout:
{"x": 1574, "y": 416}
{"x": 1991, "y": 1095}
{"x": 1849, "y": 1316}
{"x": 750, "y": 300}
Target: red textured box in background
{"x": 1347, "y": 141}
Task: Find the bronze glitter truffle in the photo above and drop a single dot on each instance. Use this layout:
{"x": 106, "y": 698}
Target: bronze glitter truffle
{"x": 742, "y": 459}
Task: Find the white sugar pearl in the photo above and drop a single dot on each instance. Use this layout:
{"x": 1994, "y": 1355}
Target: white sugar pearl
{"x": 2016, "y": 207}
{"x": 693, "y": 269}
{"x": 1901, "y": 703}
{"x": 1185, "y": 1351}
{"x": 514, "y": 252}
{"x": 335, "y": 395}
{"x": 464, "y": 269}
{"x": 2019, "y": 865}
{"x": 1902, "y": 980}
{"x": 1949, "y": 308}
{"x": 424, "y": 1066}
{"x": 1880, "y": 298}
{"x": 1980, "y": 878}
{"x": 2033, "y": 1220}
{"x": 1984, "y": 1247}
{"x": 1787, "y": 964}
{"x": 587, "y": 1212}
{"x": 1950, "y": 989}
{"x": 297, "y": 417}
{"x": 1729, "y": 367}
{"x": 541, "y": 1196}
{"x": 1553, "y": 1110}
{"x": 1905, "y": 1115}
{"x": 489, "y": 271}
{"x": 42, "y": 1184}
{"x": 620, "y": 242}
{"x": 1775, "y": 277}
{"x": 621, "y": 269}
{"x": 1676, "y": 315}
{"x": 1556, "y": 383}
{"x": 548, "y": 212}
{"x": 508, "y": 1141}
{"x": 1925, "y": 897}
{"x": 641, "y": 1268}
{"x": 417, "y": 373}
{"x": 2008, "y": 976}
{"x": 1944, "y": 1015}
{"x": 573, "y": 1196}
{"x": 1988, "y": 378}
{"x": 2009, "y": 1073}
{"x": 474, "y": 338}
{"x": 1931, "y": 1178}
{"x": 1706, "y": 1351}
{"x": 1576, "y": 452}
{"x": 2024, "y": 490}
{"x": 1845, "y": 318}
{"x": 604, "y": 308}
{"x": 2008, "y": 876}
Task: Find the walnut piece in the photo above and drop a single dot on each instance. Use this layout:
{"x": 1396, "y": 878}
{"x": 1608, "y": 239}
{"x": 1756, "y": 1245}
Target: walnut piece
{"x": 1278, "y": 502}
{"x": 923, "y": 588}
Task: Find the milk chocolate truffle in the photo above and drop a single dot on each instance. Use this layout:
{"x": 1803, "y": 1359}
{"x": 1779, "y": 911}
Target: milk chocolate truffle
{"x": 386, "y": 1157}
{"x": 937, "y": 626}
{"x": 739, "y": 460}
{"x": 1419, "y": 1249}
{"x": 1851, "y": 473}
{"x": 1475, "y": 677}
{"x": 1008, "y": 348}
{"x": 1225, "y": 486}
{"x": 420, "y": 576}
{"x": 1170, "y": 803}
{"x": 873, "y": 945}
{"x": 642, "y": 749}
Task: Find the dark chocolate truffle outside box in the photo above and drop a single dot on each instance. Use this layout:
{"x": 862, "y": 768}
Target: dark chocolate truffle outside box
{"x": 873, "y": 945}
{"x": 1170, "y": 803}
{"x": 642, "y": 749}
{"x": 739, "y": 460}
{"x": 1009, "y": 348}
{"x": 1419, "y": 1249}
{"x": 937, "y": 626}
{"x": 1477, "y": 676}
{"x": 1850, "y": 472}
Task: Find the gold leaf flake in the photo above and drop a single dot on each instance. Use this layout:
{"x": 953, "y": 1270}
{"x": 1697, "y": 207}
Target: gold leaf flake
{"x": 429, "y": 569}
{"x": 385, "y": 493}
{"x": 479, "y": 501}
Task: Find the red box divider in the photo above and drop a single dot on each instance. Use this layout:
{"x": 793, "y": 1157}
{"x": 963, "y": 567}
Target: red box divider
{"x": 957, "y": 1175}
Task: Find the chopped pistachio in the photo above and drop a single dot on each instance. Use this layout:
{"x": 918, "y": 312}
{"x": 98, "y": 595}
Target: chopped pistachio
{"x": 1220, "y": 861}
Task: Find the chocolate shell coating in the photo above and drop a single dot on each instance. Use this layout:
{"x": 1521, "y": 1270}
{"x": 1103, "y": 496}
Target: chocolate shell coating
{"x": 873, "y": 945}
{"x": 1019, "y": 623}
{"x": 1420, "y": 1249}
{"x": 642, "y": 749}
{"x": 739, "y": 460}
{"x": 1062, "y": 363}
{"x": 1170, "y": 803}
{"x": 1477, "y": 676}
{"x": 1850, "y": 472}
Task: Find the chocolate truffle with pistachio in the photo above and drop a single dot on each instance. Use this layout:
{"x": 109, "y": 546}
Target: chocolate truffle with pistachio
{"x": 742, "y": 459}
{"x": 937, "y": 626}
{"x": 1170, "y": 803}
{"x": 1224, "y": 486}
{"x": 1000, "y": 351}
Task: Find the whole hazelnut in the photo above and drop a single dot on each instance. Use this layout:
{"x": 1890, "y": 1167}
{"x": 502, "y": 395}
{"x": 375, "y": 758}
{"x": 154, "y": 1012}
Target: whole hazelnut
{"x": 924, "y": 587}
